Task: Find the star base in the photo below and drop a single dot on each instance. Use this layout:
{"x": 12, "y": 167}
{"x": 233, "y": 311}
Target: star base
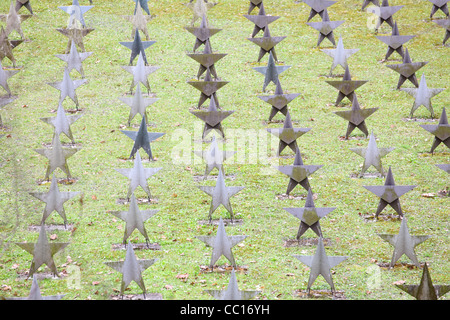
{"x": 304, "y": 242}
{"x": 381, "y": 217}
{"x": 51, "y": 227}
{"x": 147, "y": 296}
{"x": 399, "y": 265}
{"x": 65, "y": 181}
{"x": 223, "y": 268}
{"x": 137, "y": 246}
{"x": 320, "y": 294}
{"x": 226, "y": 222}
{"x": 145, "y": 200}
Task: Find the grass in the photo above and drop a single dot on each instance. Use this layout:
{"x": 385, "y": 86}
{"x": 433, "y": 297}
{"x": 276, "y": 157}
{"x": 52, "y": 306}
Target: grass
{"x": 271, "y": 267}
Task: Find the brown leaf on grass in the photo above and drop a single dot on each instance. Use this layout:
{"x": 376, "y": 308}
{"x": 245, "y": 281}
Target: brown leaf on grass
{"x": 429, "y": 195}
{"x": 53, "y": 236}
{"x": 168, "y": 287}
{"x": 399, "y": 282}
{"x": 94, "y": 283}
{"x": 182, "y": 276}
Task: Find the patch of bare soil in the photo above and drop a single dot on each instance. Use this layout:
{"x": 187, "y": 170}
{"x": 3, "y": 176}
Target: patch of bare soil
{"x": 320, "y": 294}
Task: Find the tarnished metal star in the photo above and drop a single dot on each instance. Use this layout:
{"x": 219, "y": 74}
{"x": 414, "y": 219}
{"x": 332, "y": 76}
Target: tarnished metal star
{"x": 212, "y": 118}
{"x": 138, "y": 176}
{"x": 340, "y": 55}
{"x": 389, "y": 194}
{"x": 403, "y": 244}
{"x": 62, "y": 122}
{"x": 13, "y": 20}
{"x": 221, "y": 244}
{"x": 422, "y": 96}
{"x": 267, "y": 44}
{"x": 441, "y": 131}
{"x": 425, "y": 290}
{"x": 202, "y": 33}
{"x": 356, "y": 117}
{"x": 439, "y": 5}
{"x": 394, "y": 42}
{"x": 320, "y": 264}
{"x": 140, "y": 73}
{"x": 43, "y": 252}
{"x": 199, "y": 8}
{"x": 74, "y": 59}
{"x": 76, "y": 13}
{"x": 279, "y": 101}
{"x": 75, "y": 35}
{"x": 138, "y": 104}
{"x": 367, "y": 2}
{"x": 445, "y": 167}
{"x": 444, "y": 23}
{"x": 137, "y": 46}
{"x": 23, "y": 3}
{"x": 232, "y": 292}
{"x": 143, "y": 4}
{"x": 325, "y": 28}
{"x": 206, "y": 59}
{"x": 35, "y": 293}
{"x": 139, "y": 21}
{"x": 298, "y": 173}
{"x": 134, "y": 219}
{"x": 131, "y": 269}
{"x": 4, "y": 76}
{"x": 318, "y": 7}
{"x": 221, "y": 195}
{"x": 54, "y": 200}
{"x": 346, "y": 86}
{"x": 271, "y": 72}
{"x": 261, "y": 20}
{"x": 142, "y": 139}
{"x": 214, "y": 157}
{"x": 372, "y": 155}
{"x": 7, "y": 46}
{"x": 254, "y": 4}
{"x": 288, "y": 135}
{"x": 57, "y": 157}
{"x": 67, "y": 87}
{"x": 309, "y": 216}
{"x": 385, "y": 13}
{"x": 407, "y": 70}
{"x": 208, "y": 88}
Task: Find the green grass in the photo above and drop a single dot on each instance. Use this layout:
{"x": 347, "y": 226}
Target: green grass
{"x": 271, "y": 267}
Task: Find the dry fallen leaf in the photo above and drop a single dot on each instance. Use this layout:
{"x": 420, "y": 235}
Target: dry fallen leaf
{"x": 429, "y": 195}
{"x": 53, "y": 236}
{"x": 182, "y": 276}
{"x": 399, "y": 282}
{"x": 168, "y": 287}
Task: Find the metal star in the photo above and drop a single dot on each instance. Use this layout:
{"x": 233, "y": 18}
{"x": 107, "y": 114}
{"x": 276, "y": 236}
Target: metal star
{"x": 220, "y": 194}
{"x": 221, "y": 244}
{"x": 232, "y": 292}
{"x": 54, "y": 201}
{"x": 320, "y": 264}
{"x": 367, "y": 2}
{"x": 445, "y": 167}
{"x": 3, "y": 102}
{"x": 13, "y": 20}
{"x": 199, "y": 8}
{"x": 267, "y": 44}
{"x": 7, "y": 46}
{"x": 403, "y": 243}
{"x": 279, "y": 101}
{"x": 214, "y": 157}
{"x": 261, "y": 20}
{"x": 441, "y": 131}
{"x": 42, "y": 252}
{"x": 142, "y": 139}
{"x": 356, "y": 117}
{"x": 422, "y": 96}
{"x": 340, "y": 55}
{"x": 439, "y": 5}
{"x": 35, "y": 293}
{"x": 140, "y": 73}
{"x": 138, "y": 176}
{"x": 394, "y": 42}
{"x": 75, "y": 35}
{"x": 67, "y": 87}
{"x": 425, "y": 290}
{"x": 254, "y": 4}
{"x": 137, "y": 46}
{"x": 202, "y": 33}
{"x": 208, "y": 88}
{"x": 372, "y": 155}
{"x": 407, "y": 70}
{"x": 57, "y": 157}
{"x": 309, "y": 216}
{"x": 138, "y": 104}
{"x": 346, "y": 86}
{"x": 4, "y": 76}
{"x": 389, "y": 194}
{"x": 325, "y": 28}
{"x": 288, "y": 135}
{"x": 62, "y": 122}
{"x": 74, "y": 59}
{"x": 143, "y": 4}
{"x": 298, "y": 172}
{"x": 444, "y": 23}
{"x": 76, "y": 13}
{"x": 131, "y": 269}
{"x": 207, "y": 59}
{"x": 139, "y": 21}
{"x": 271, "y": 72}
{"x": 384, "y": 13}
{"x": 318, "y": 7}
{"x": 23, "y": 3}
{"x": 134, "y": 219}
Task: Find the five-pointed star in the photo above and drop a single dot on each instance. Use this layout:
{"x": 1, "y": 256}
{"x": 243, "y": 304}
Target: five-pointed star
{"x": 75, "y": 35}
{"x": 7, "y": 46}
{"x": 279, "y": 101}
{"x": 54, "y": 200}
{"x": 267, "y": 44}
{"x": 298, "y": 172}
{"x": 346, "y": 86}
{"x": 407, "y": 70}
{"x": 23, "y": 3}
{"x": 221, "y": 244}
{"x": 425, "y": 290}
{"x": 325, "y": 28}
{"x": 444, "y": 23}
{"x": 134, "y": 219}
{"x": 138, "y": 176}
{"x": 261, "y": 20}
{"x": 320, "y": 264}
{"x": 202, "y": 33}
{"x": 142, "y": 139}
{"x": 288, "y": 135}
{"x": 309, "y": 216}
{"x": 207, "y": 59}
{"x": 62, "y": 122}
{"x": 422, "y": 96}
{"x": 57, "y": 157}
{"x": 384, "y": 13}
{"x": 340, "y": 55}
{"x": 137, "y": 46}
{"x": 4, "y": 76}
{"x": 143, "y": 4}
{"x": 389, "y": 194}
{"x": 35, "y": 293}
{"x": 212, "y": 118}
{"x": 403, "y": 243}
{"x": 140, "y": 72}
{"x": 372, "y": 155}
{"x": 232, "y": 292}
{"x": 138, "y": 104}
{"x": 42, "y": 252}
{"x": 67, "y": 87}
{"x": 367, "y": 2}
{"x": 74, "y": 59}
{"x": 76, "y": 13}
{"x": 221, "y": 195}
{"x": 214, "y": 156}
{"x": 139, "y": 21}
{"x": 441, "y": 131}
{"x": 271, "y": 72}
{"x": 318, "y": 7}
{"x": 439, "y": 5}
{"x": 13, "y": 20}
{"x": 199, "y": 8}
{"x": 356, "y": 117}
{"x": 131, "y": 269}
{"x": 208, "y": 88}
{"x": 394, "y": 42}
{"x": 254, "y": 4}
{"x": 445, "y": 167}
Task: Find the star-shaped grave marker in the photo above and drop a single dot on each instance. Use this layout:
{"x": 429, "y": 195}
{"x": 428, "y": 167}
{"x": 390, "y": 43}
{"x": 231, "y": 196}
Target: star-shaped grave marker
{"x": 394, "y": 42}
{"x": 267, "y": 44}
{"x": 385, "y": 13}
{"x": 207, "y": 59}
{"x": 271, "y": 72}
{"x": 62, "y": 122}
{"x": 35, "y": 293}
{"x": 23, "y": 3}
{"x": 7, "y": 46}
{"x": 199, "y": 8}
{"x": 137, "y": 46}
{"x": 139, "y": 21}
{"x": 325, "y": 28}
{"x": 143, "y": 4}
{"x": 75, "y": 35}
{"x": 254, "y": 4}
{"x": 441, "y": 131}
{"x": 4, "y": 76}
{"x": 279, "y": 101}
{"x": 214, "y": 157}
{"x": 367, "y": 2}
{"x": 74, "y": 59}
{"x": 407, "y": 70}
{"x": 340, "y": 55}
{"x": 202, "y": 33}
{"x": 13, "y": 20}
{"x": 232, "y": 292}
{"x": 439, "y": 5}
{"x": 138, "y": 104}
{"x": 346, "y": 86}
{"x": 261, "y": 20}
{"x": 444, "y": 23}
{"x": 318, "y": 7}
{"x": 67, "y": 87}
{"x": 140, "y": 73}
{"x": 76, "y": 13}
{"x": 208, "y": 88}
